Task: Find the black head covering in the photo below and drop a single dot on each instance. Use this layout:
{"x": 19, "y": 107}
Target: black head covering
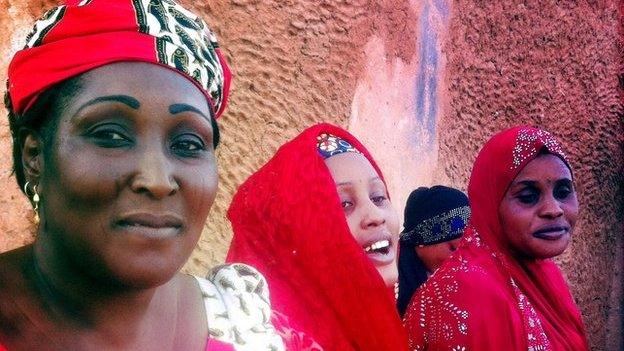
{"x": 432, "y": 215}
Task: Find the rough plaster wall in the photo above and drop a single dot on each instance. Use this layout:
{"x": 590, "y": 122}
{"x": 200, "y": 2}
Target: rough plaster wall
{"x": 297, "y": 63}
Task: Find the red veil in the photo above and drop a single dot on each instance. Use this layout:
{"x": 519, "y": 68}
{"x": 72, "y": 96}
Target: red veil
{"x": 484, "y": 298}
{"x": 289, "y": 224}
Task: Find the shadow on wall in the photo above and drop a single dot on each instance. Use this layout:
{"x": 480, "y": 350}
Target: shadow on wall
{"x": 396, "y": 104}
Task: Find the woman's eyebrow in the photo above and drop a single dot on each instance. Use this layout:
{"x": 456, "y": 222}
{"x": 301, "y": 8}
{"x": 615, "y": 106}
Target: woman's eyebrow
{"x": 124, "y": 99}
{"x": 525, "y": 182}
{"x": 179, "y": 108}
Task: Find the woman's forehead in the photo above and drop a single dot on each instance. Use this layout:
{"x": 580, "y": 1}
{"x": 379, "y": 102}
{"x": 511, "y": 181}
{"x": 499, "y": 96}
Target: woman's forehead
{"x": 544, "y": 168}
{"x": 351, "y": 167}
{"x": 141, "y": 81}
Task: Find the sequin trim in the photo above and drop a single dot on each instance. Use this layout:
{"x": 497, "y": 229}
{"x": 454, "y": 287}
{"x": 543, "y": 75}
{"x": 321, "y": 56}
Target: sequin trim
{"x": 436, "y": 309}
{"x": 526, "y": 146}
{"x": 536, "y": 337}
{"x": 439, "y": 228}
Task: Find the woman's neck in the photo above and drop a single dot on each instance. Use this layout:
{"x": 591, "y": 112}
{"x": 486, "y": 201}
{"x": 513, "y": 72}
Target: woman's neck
{"x": 100, "y": 308}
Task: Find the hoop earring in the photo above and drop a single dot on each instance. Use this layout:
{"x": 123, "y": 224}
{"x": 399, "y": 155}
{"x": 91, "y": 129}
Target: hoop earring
{"x": 35, "y": 200}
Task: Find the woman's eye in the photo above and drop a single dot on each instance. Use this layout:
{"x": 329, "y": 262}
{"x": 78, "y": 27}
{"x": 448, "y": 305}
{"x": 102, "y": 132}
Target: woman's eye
{"x": 378, "y": 199}
{"x": 528, "y": 197}
{"x": 109, "y": 137}
{"x": 562, "y": 192}
{"x": 188, "y": 145}
{"x": 346, "y": 204}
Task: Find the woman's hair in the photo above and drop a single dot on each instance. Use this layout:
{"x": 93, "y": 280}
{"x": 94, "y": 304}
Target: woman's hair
{"x": 43, "y": 117}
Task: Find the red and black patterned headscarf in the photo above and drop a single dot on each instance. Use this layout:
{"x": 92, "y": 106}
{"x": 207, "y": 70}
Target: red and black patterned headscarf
{"x": 82, "y": 35}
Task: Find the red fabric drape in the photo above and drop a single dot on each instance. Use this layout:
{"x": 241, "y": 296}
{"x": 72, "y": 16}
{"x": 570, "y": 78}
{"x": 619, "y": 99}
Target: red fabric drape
{"x": 484, "y": 298}
{"x": 289, "y": 224}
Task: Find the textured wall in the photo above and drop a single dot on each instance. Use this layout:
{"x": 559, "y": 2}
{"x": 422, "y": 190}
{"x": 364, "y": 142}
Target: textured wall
{"x": 424, "y": 84}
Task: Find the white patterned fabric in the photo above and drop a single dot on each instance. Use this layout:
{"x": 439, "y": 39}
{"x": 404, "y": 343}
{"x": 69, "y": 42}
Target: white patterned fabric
{"x": 238, "y": 310}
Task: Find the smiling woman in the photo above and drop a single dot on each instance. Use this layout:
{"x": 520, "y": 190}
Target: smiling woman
{"x": 500, "y": 290}
{"x": 317, "y": 221}
{"x": 128, "y": 184}
{"x": 115, "y": 148}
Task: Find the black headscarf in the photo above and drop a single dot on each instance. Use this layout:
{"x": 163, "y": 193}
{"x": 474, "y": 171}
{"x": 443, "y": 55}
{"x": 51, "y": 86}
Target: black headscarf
{"x": 432, "y": 215}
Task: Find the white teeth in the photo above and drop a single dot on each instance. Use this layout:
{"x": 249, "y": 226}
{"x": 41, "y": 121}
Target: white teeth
{"x": 381, "y": 244}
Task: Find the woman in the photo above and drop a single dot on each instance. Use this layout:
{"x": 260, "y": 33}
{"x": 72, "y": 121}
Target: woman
{"x": 435, "y": 219}
{"x": 316, "y": 220}
{"x": 112, "y": 108}
{"x": 500, "y": 290}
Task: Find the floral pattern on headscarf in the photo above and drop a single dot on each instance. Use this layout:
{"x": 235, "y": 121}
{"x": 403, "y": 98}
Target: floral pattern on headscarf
{"x": 329, "y": 145}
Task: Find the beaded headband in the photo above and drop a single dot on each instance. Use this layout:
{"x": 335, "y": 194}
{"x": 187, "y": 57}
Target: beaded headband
{"x": 439, "y": 228}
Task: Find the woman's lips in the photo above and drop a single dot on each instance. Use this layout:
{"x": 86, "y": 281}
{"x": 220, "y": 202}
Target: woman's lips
{"x": 151, "y": 225}
{"x": 551, "y": 233}
{"x": 380, "y": 250}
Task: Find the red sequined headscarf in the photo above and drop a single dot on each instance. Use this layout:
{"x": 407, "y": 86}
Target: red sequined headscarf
{"x": 82, "y": 35}
{"x": 485, "y": 297}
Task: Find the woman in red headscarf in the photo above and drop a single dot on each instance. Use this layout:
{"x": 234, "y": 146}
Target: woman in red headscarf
{"x": 112, "y": 108}
{"x": 500, "y": 290}
{"x": 316, "y": 220}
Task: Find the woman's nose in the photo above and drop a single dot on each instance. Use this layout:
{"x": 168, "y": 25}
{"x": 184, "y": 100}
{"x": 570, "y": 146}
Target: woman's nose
{"x": 551, "y": 208}
{"x": 372, "y": 215}
{"x": 154, "y": 175}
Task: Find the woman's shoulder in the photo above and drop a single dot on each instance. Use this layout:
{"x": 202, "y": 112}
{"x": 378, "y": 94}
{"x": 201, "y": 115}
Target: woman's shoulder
{"x": 467, "y": 274}
{"x": 455, "y": 302}
{"x": 238, "y": 310}
{"x": 456, "y": 287}
{"x": 13, "y": 265}
{"x": 23, "y": 319}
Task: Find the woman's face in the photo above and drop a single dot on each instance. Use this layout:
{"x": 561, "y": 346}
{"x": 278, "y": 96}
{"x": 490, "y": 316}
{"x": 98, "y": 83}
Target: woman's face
{"x": 133, "y": 173}
{"x": 434, "y": 255}
{"x": 372, "y": 220}
{"x": 539, "y": 210}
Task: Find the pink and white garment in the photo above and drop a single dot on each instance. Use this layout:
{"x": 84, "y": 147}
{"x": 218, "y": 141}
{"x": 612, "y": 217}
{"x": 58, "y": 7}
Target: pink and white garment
{"x": 239, "y": 314}
{"x": 238, "y": 311}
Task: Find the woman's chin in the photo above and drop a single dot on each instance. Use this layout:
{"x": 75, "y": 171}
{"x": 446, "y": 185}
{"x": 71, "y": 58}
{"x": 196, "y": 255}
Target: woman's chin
{"x": 141, "y": 275}
{"x": 389, "y": 274}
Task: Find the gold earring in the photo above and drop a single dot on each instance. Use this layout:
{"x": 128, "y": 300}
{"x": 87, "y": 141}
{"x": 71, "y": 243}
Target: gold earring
{"x": 396, "y": 290}
{"x": 35, "y": 200}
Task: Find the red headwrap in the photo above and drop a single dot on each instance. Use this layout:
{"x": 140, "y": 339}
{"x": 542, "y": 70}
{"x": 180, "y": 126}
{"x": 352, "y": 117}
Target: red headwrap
{"x": 289, "y": 224}
{"x": 82, "y": 35}
{"x": 484, "y": 297}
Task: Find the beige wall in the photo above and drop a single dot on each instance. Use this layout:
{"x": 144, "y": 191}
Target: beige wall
{"x": 423, "y": 84}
